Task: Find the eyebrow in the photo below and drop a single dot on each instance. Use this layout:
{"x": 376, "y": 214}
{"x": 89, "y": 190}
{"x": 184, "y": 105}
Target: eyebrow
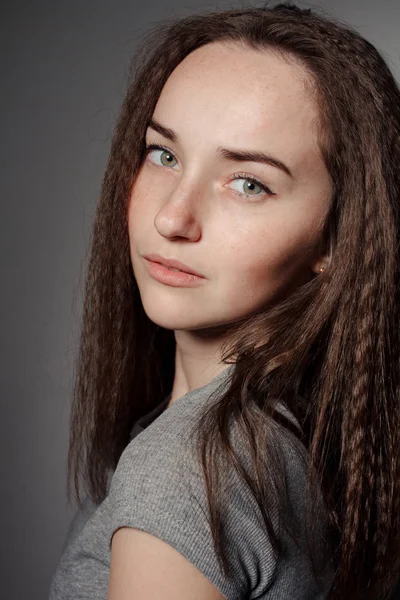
{"x": 234, "y": 155}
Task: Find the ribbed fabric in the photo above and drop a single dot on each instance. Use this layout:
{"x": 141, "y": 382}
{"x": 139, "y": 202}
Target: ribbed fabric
{"x": 157, "y": 487}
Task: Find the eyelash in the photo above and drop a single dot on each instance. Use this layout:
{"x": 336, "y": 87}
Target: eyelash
{"x": 245, "y": 176}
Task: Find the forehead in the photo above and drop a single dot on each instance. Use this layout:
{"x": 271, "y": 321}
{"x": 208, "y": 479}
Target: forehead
{"x": 237, "y": 96}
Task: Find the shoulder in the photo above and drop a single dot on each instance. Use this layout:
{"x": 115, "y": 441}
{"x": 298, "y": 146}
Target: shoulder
{"x": 158, "y": 489}
{"x": 158, "y": 506}
{"x": 158, "y": 449}
{"x": 157, "y": 485}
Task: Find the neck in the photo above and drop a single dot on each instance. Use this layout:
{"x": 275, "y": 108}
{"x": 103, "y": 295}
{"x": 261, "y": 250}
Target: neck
{"x": 197, "y": 362}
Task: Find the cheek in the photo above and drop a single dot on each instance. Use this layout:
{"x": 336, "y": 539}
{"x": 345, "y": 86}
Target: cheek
{"x": 138, "y": 209}
{"x": 271, "y": 258}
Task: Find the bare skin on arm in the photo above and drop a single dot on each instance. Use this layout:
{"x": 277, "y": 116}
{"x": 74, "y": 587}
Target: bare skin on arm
{"x": 144, "y": 566}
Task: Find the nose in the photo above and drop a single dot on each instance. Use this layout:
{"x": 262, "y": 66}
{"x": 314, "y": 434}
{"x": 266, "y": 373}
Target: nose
{"x": 179, "y": 215}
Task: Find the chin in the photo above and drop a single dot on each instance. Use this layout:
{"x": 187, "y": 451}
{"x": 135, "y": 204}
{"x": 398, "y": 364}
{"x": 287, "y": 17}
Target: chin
{"x": 211, "y": 328}
{"x": 171, "y": 319}
{"x": 176, "y": 319}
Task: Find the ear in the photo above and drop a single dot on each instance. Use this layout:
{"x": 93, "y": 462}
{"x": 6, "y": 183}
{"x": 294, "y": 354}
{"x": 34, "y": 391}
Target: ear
{"x": 322, "y": 255}
{"x": 319, "y": 263}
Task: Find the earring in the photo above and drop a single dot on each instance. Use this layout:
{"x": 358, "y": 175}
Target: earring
{"x": 321, "y": 269}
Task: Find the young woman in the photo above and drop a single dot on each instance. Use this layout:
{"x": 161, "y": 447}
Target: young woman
{"x": 237, "y": 424}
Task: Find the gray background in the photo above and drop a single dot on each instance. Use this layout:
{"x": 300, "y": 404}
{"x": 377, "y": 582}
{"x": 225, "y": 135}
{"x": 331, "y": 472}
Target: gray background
{"x": 64, "y": 68}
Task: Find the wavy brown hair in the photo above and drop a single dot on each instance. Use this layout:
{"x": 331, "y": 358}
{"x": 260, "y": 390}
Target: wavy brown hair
{"x": 332, "y": 354}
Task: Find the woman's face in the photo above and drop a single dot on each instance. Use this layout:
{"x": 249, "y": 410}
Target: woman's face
{"x": 252, "y": 245}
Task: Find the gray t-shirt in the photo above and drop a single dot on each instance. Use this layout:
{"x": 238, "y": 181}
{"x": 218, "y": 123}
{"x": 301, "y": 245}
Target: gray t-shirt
{"x": 158, "y": 487}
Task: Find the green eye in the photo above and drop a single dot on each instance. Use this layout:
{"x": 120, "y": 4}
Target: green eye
{"x": 167, "y": 158}
{"x": 249, "y": 187}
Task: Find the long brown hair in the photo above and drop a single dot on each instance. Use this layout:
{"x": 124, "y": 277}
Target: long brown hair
{"x": 334, "y": 342}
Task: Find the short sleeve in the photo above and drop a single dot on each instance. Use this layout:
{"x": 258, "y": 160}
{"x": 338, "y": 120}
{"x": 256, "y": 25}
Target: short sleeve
{"x": 158, "y": 488}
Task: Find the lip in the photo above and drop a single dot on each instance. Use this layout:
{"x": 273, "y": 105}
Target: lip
{"x": 165, "y": 275}
{"x": 171, "y": 262}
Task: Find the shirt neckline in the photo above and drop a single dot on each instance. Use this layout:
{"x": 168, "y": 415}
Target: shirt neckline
{"x": 145, "y": 420}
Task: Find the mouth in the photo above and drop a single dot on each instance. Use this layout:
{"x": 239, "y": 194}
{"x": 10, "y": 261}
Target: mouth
{"x": 172, "y": 276}
{"x": 172, "y": 264}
